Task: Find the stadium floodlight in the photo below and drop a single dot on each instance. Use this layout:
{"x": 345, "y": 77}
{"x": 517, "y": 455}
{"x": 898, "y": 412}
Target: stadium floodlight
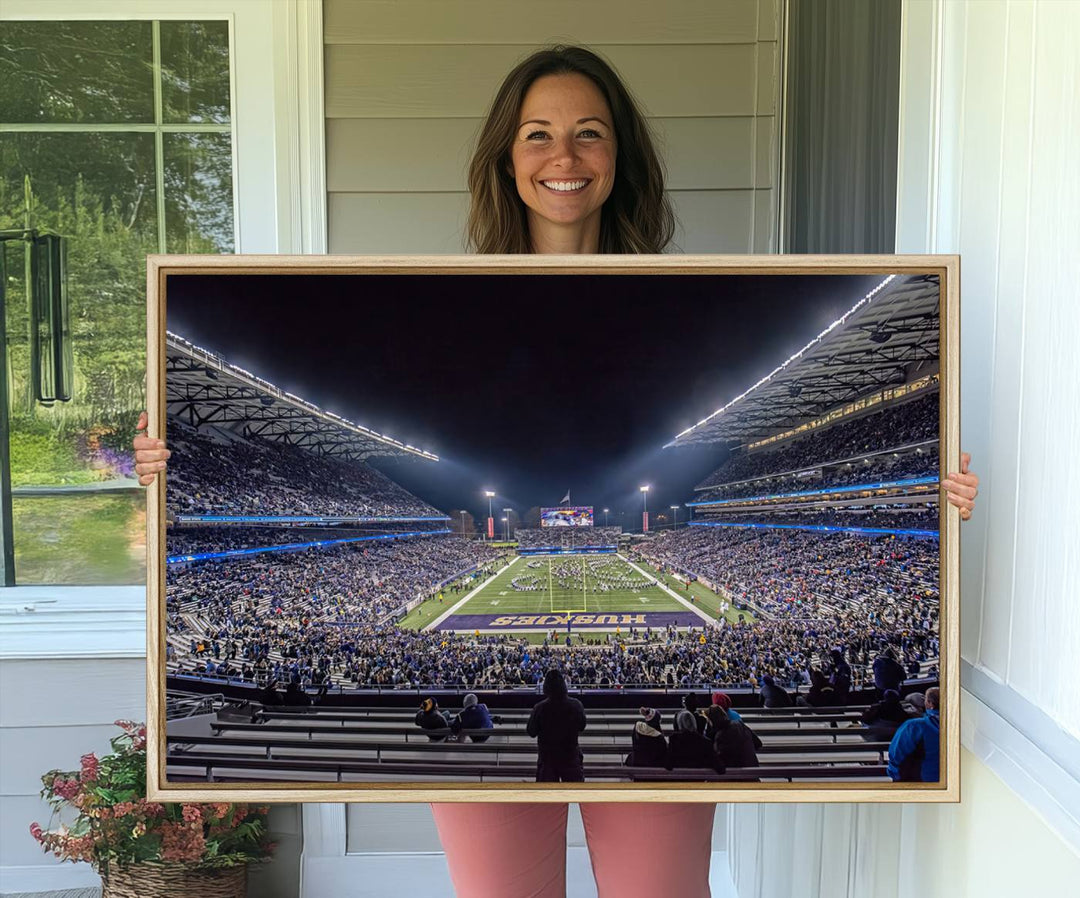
{"x": 839, "y": 322}
{"x": 675, "y": 508}
{"x": 491, "y": 520}
{"x": 606, "y": 510}
{"x": 644, "y": 508}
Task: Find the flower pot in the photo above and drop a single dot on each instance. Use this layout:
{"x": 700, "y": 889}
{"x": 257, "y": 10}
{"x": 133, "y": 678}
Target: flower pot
{"x": 174, "y": 881}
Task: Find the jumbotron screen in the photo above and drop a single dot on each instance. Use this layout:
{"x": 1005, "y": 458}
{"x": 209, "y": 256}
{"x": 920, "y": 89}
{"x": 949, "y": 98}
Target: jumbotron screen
{"x": 566, "y": 516}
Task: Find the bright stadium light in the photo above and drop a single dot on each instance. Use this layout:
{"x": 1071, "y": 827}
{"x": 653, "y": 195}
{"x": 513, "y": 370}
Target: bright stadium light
{"x": 491, "y": 520}
{"x": 675, "y": 508}
{"x": 839, "y": 322}
{"x": 606, "y": 510}
{"x": 644, "y": 508}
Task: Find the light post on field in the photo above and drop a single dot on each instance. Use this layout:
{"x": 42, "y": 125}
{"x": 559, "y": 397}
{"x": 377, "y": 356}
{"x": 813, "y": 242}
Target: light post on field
{"x": 463, "y": 523}
{"x": 491, "y": 520}
{"x": 506, "y": 520}
{"x": 675, "y": 508}
{"x": 644, "y": 508}
{"x": 606, "y": 510}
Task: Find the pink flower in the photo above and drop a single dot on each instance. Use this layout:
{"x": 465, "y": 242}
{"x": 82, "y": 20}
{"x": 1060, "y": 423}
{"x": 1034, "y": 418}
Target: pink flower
{"x": 36, "y": 831}
{"x": 89, "y": 768}
{"x": 65, "y": 788}
{"x": 123, "y": 808}
{"x": 192, "y": 814}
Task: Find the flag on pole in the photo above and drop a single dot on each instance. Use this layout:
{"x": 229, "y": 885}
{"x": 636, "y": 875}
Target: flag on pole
{"x": 566, "y": 498}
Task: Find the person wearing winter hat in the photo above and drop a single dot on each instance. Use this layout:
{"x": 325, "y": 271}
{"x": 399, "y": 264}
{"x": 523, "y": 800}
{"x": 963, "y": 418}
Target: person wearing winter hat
{"x": 914, "y": 703}
{"x": 649, "y": 744}
{"x": 724, "y": 700}
{"x": 734, "y": 742}
{"x": 429, "y": 717}
{"x": 474, "y": 716}
{"x": 555, "y": 723}
{"x": 688, "y": 748}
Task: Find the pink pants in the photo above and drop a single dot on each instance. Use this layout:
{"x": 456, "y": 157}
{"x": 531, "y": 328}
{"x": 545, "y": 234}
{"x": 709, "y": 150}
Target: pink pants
{"x": 519, "y": 850}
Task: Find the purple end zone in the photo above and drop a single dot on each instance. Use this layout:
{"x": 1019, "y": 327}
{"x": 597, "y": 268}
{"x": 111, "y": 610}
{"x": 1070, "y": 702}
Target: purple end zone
{"x": 576, "y": 621}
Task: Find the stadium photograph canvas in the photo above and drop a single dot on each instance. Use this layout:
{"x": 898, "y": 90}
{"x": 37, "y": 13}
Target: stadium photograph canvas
{"x": 553, "y": 528}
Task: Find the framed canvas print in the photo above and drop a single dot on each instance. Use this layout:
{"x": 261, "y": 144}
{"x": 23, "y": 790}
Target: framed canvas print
{"x": 541, "y": 528}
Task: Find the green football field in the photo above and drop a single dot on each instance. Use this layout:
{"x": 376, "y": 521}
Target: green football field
{"x": 577, "y": 583}
{"x": 549, "y": 586}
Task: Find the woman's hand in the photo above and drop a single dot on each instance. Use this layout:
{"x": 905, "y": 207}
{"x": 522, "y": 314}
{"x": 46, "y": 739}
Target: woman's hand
{"x": 150, "y": 454}
{"x": 962, "y": 488}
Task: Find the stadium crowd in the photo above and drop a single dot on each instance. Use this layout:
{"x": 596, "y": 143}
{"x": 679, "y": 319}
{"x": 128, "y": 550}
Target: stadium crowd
{"x": 845, "y": 579}
{"x": 277, "y": 479}
{"x": 904, "y": 517}
{"x": 191, "y": 540}
{"x": 875, "y": 469}
{"x": 566, "y": 537}
{"x": 232, "y": 600}
{"x": 899, "y": 425}
{"x": 385, "y": 656}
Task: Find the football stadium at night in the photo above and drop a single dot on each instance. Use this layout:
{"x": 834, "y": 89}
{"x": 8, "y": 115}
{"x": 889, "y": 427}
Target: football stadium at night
{"x": 365, "y": 541}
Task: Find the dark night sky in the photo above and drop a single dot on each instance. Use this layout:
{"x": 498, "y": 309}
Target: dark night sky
{"x": 525, "y": 384}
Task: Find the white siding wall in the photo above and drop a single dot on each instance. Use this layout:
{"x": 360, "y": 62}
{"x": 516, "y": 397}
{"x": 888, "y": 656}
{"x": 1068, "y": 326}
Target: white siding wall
{"x": 408, "y": 83}
{"x": 989, "y": 143}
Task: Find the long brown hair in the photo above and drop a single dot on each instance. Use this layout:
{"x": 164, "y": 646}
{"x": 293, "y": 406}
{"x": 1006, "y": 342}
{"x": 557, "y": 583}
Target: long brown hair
{"x": 637, "y": 216}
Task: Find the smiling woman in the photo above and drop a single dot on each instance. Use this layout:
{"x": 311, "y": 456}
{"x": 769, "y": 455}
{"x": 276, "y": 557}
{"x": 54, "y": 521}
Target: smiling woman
{"x": 561, "y": 117}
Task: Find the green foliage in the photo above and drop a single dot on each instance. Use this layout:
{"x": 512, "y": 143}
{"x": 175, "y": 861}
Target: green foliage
{"x": 116, "y": 825}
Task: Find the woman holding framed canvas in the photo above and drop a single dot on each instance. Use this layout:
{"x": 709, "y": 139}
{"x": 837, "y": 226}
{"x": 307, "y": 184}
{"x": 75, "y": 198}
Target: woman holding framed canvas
{"x": 565, "y": 164}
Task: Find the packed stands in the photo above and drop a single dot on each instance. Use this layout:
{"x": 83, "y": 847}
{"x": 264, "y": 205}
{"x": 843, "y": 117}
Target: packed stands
{"x": 564, "y": 538}
{"x": 218, "y": 472}
{"x": 895, "y": 426}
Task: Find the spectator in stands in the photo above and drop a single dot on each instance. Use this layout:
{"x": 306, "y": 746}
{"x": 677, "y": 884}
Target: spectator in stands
{"x": 555, "y": 723}
{"x": 474, "y": 716}
{"x": 888, "y": 673}
{"x": 690, "y": 703}
{"x": 734, "y": 742}
{"x": 295, "y": 696}
{"x": 429, "y": 717}
{"x": 688, "y": 748}
{"x": 771, "y": 695}
{"x": 915, "y": 750}
{"x": 649, "y": 745}
{"x": 884, "y": 717}
{"x": 839, "y": 676}
{"x": 821, "y": 693}
{"x": 724, "y": 701}
{"x": 269, "y": 696}
{"x": 915, "y": 704}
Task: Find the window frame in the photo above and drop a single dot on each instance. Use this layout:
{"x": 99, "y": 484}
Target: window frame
{"x": 277, "y": 127}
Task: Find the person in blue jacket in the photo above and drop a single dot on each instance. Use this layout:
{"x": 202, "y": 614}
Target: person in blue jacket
{"x": 915, "y": 750}
{"x": 474, "y": 716}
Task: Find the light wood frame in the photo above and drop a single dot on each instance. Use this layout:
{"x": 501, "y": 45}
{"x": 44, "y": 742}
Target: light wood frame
{"x": 946, "y": 267}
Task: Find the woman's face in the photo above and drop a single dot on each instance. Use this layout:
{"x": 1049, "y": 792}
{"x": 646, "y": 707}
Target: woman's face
{"x": 563, "y": 154}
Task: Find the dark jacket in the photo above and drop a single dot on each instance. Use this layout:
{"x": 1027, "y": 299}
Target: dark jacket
{"x": 555, "y": 723}
{"x": 736, "y": 745}
{"x": 884, "y": 718}
{"x": 773, "y": 696}
{"x": 650, "y": 746}
{"x": 915, "y": 750}
{"x": 888, "y": 674}
{"x": 692, "y": 750}
{"x": 432, "y": 720}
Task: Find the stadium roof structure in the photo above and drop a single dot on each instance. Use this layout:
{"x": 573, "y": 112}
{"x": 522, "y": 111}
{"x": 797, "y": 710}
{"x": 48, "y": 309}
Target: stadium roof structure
{"x": 888, "y": 338}
{"x": 202, "y": 388}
